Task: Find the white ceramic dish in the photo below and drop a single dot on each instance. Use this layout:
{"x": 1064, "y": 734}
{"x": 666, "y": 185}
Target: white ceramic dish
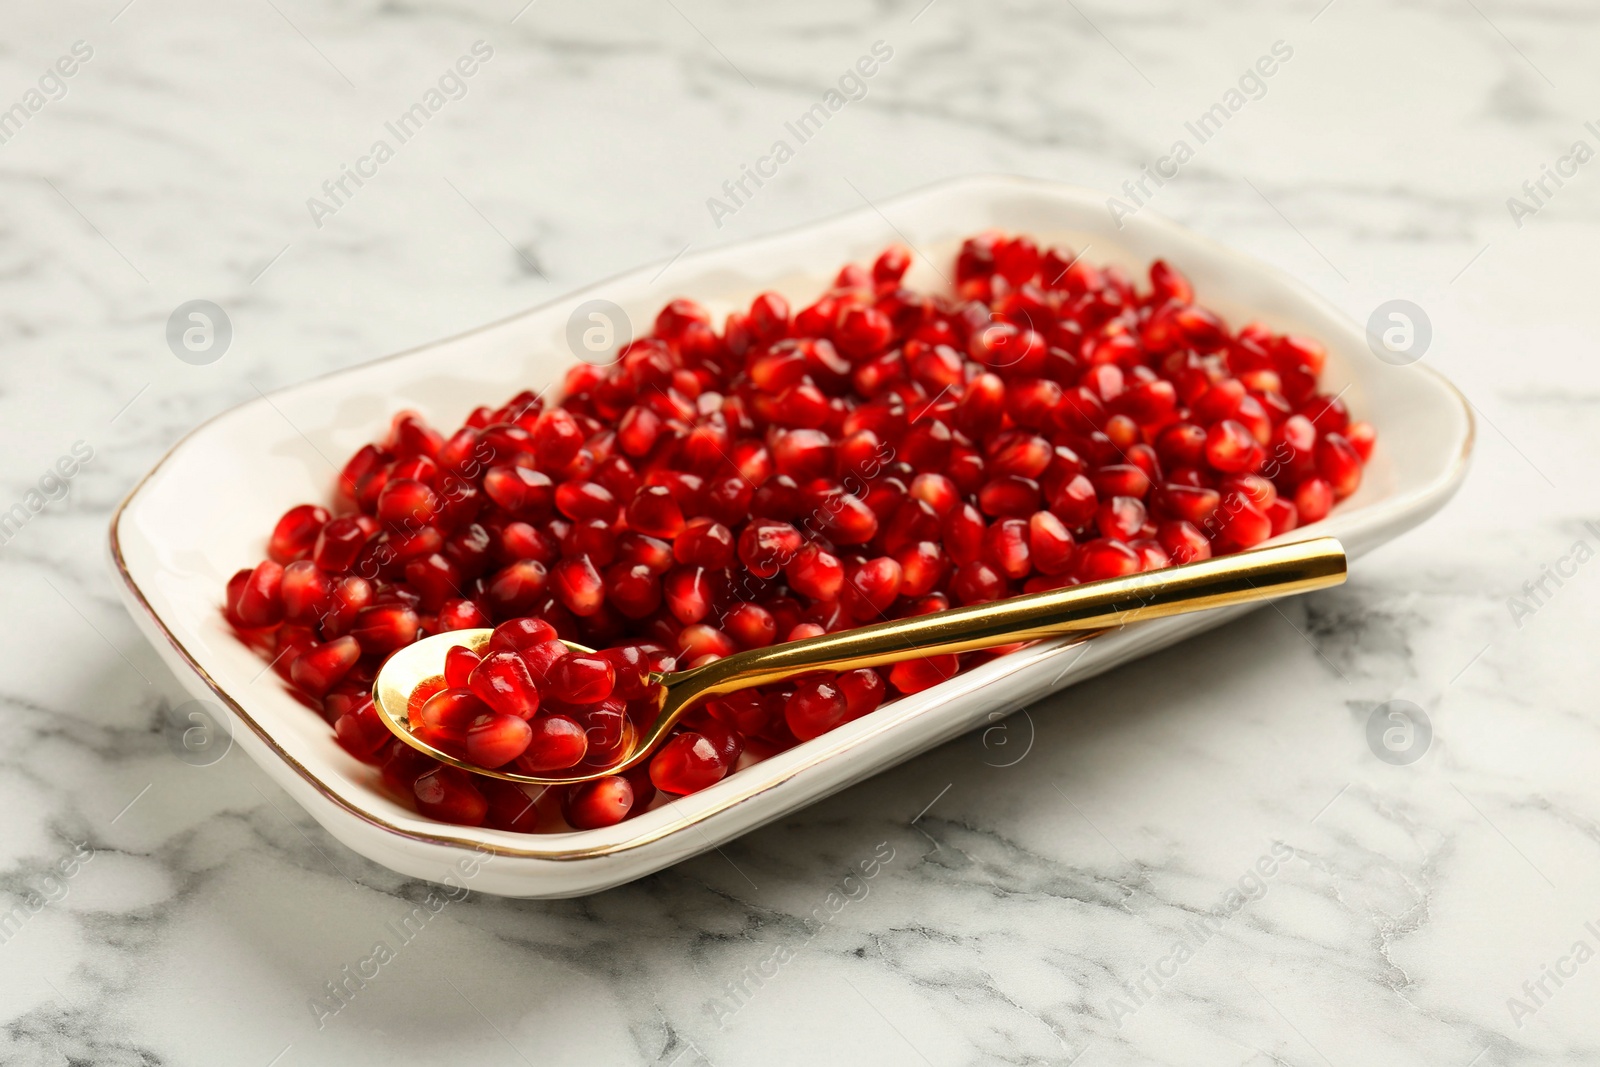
{"x": 175, "y": 541}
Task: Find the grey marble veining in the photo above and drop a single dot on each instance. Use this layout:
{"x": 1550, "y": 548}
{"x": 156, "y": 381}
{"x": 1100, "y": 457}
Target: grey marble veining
{"x": 1029, "y": 888}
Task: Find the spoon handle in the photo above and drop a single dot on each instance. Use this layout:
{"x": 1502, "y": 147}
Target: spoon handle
{"x": 1242, "y": 578}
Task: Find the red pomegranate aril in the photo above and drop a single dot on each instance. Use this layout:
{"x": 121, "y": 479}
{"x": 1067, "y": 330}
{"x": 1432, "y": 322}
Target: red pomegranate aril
{"x": 977, "y": 583}
{"x": 1232, "y": 448}
{"x": 751, "y": 625}
{"x": 450, "y": 712}
{"x": 815, "y": 573}
{"x": 602, "y": 802}
{"x": 556, "y": 743}
{"x": 586, "y": 500}
{"x": 704, "y": 543}
{"x": 699, "y": 640}
{"x": 1106, "y": 558}
{"x": 495, "y": 739}
{"x": 687, "y": 593}
{"x": 509, "y": 808}
{"x": 1006, "y": 547}
{"x": 863, "y": 690}
{"x": 688, "y": 762}
{"x": 351, "y": 594}
{"x": 581, "y": 678}
{"x": 360, "y": 732}
{"x": 337, "y": 545}
{"x": 1051, "y": 546}
{"x": 577, "y": 584}
{"x": 1340, "y": 463}
{"x": 517, "y": 589}
{"x": 1121, "y": 517}
{"x": 449, "y": 795}
{"x": 654, "y": 511}
{"x": 1009, "y": 496}
{"x": 296, "y": 533}
{"x": 815, "y": 708}
{"x": 913, "y": 676}
{"x": 1076, "y": 502}
{"x": 517, "y": 635}
{"x": 306, "y": 593}
{"x": 766, "y": 546}
{"x": 258, "y": 602}
{"x": 1362, "y": 437}
{"x": 1313, "y": 499}
{"x": 522, "y": 491}
{"x": 1240, "y": 523}
{"x": 319, "y": 669}
{"x": 383, "y": 628}
{"x": 406, "y": 503}
{"x": 459, "y": 663}
{"x": 504, "y": 681}
{"x": 1183, "y": 541}
{"x": 459, "y": 614}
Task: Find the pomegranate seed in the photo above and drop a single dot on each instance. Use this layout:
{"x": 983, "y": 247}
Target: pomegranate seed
{"x": 913, "y": 676}
{"x": 687, "y": 763}
{"x": 504, "y": 682}
{"x": 458, "y": 666}
{"x": 602, "y": 802}
{"x": 556, "y": 743}
{"x": 751, "y": 625}
{"x": 654, "y": 511}
{"x": 319, "y": 669}
{"x": 1314, "y": 499}
{"x": 1231, "y": 447}
{"x": 383, "y": 628}
{"x": 581, "y": 678}
{"x": 578, "y": 585}
{"x": 1340, "y": 463}
{"x": 258, "y": 602}
{"x": 338, "y": 544}
{"x": 1183, "y": 541}
{"x": 509, "y": 807}
{"x": 815, "y": 708}
{"x": 493, "y": 740}
{"x": 448, "y": 795}
{"x": 449, "y": 712}
{"x": 1105, "y": 558}
{"x": 518, "y": 635}
{"x": 296, "y": 533}
{"x": 360, "y": 732}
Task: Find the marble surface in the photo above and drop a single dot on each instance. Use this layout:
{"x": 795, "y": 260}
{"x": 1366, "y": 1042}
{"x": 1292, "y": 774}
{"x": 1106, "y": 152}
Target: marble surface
{"x": 1028, "y": 898}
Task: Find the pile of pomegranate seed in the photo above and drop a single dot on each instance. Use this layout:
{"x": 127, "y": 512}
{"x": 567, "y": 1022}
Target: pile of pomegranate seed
{"x": 878, "y": 454}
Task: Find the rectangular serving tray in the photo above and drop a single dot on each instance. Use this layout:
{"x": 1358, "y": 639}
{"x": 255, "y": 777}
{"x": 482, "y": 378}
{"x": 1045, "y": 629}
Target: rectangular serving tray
{"x": 175, "y": 539}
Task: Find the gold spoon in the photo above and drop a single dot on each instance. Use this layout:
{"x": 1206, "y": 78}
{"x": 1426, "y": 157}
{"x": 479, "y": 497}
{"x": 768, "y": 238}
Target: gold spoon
{"x": 1262, "y": 574}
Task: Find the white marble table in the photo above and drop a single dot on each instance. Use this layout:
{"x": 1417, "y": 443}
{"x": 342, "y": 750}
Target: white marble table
{"x": 1400, "y": 909}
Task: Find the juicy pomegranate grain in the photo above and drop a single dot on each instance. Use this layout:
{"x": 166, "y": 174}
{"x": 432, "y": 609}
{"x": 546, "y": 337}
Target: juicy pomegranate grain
{"x": 602, "y": 802}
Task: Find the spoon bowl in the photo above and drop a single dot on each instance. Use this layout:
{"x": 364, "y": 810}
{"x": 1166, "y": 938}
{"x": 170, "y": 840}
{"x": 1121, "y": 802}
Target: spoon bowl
{"x": 1257, "y": 575}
